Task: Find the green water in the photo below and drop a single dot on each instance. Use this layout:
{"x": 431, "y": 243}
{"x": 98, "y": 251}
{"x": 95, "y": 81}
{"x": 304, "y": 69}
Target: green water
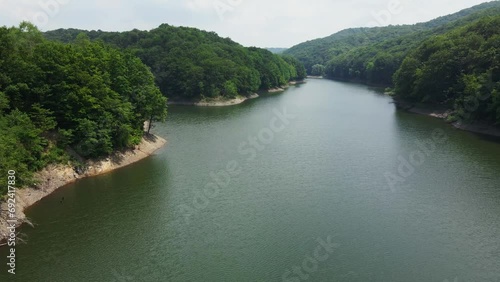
{"x": 319, "y": 176}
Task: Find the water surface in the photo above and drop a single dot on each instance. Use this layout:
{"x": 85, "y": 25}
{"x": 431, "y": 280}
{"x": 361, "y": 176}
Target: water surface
{"x": 322, "y": 177}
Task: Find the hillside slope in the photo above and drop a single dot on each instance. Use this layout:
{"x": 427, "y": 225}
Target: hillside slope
{"x": 191, "y": 64}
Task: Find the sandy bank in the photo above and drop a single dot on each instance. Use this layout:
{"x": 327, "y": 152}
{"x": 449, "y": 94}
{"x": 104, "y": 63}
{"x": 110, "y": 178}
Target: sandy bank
{"x": 55, "y": 176}
{"x": 282, "y": 88}
{"x": 215, "y": 102}
{"x": 276, "y": 90}
{"x": 291, "y": 83}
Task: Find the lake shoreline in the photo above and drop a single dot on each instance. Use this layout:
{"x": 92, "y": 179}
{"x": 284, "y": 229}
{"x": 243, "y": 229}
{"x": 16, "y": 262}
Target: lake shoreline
{"x": 54, "y": 177}
{"x": 216, "y": 102}
{"x": 443, "y": 113}
{"x": 220, "y": 102}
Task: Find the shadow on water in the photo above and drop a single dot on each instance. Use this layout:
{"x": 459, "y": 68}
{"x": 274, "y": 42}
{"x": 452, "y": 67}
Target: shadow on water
{"x": 489, "y": 138}
{"x": 443, "y": 124}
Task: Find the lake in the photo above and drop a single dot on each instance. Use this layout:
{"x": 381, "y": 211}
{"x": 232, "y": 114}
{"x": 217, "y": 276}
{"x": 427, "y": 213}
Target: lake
{"x": 324, "y": 182}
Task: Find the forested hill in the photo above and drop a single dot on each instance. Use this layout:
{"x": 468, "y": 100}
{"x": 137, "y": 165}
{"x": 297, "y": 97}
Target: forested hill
{"x": 86, "y": 96}
{"x": 320, "y": 51}
{"x": 372, "y": 55}
{"x": 190, "y": 64}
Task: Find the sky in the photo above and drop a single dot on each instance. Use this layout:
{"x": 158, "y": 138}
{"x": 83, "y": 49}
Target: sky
{"x": 261, "y": 23}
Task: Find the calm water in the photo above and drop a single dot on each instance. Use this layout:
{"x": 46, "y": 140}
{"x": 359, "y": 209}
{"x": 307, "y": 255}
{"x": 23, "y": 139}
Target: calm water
{"x": 320, "y": 176}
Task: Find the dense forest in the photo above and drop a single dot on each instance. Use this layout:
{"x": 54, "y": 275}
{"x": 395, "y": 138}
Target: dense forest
{"x": 373, "y": 55}
{"x": 86, "y": 96}
{"x": 321, "y": 51}
{"x": 460, "y": 70}
{"x": 190, "y": 64}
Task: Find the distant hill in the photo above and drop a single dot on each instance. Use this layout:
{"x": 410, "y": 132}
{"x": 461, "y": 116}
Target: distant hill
{"x": 372, "y": 55}
{"x": 277, "y": 50}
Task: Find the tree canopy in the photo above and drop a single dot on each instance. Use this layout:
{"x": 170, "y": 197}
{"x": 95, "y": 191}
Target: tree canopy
{"x": 190, "y": 64}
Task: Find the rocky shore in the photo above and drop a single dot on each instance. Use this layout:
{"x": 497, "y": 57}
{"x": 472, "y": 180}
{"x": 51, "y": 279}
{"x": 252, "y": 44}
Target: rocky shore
{"x": 55, "y": 176}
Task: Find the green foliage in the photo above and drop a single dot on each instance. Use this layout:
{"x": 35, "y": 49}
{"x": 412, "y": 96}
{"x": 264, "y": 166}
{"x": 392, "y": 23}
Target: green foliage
{"x": 4, "y": 102}
{"x": 300, "y": 69}
{"x": 21, "y": 146}
{"x": 460, "y": 69}
{"x": 190, "y": 64}
{"x": 318, "y": 70}
{"x": 230, "y": 89}
{"x": 321, "y": 51}
{"x": 85, "y": 95}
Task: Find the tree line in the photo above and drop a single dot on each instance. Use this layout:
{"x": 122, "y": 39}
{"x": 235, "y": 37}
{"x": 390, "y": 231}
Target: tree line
{"x": 190, "y": 64}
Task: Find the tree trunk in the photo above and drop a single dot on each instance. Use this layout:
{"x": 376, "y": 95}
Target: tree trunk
{"x": 150, "y": 124}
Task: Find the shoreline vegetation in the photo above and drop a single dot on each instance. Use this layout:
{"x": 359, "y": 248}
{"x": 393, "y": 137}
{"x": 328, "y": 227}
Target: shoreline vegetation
{"x": 435, "y": 111}
{"x": 222, "y": 102}
{"x": 53, "y": 177}
{"x": 432, "y": 111}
